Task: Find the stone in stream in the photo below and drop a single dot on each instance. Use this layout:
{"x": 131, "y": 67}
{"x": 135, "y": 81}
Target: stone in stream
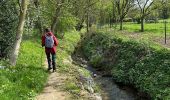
{"x": 94, "y": 75}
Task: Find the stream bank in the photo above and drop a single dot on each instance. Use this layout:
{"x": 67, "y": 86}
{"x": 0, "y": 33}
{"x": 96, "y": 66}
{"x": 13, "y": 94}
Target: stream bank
{"x": 109, "y": 88}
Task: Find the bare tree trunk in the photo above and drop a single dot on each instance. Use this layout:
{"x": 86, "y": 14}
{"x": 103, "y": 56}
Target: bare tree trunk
{"x": 142, "y": 24}
{"x": 15, "y": 51}
{"x": 54, "y": 23}
{"x": 39, "y": 22}
{"x": 57, "y": 14}
{"x": 40, "y": 25}
{"x": 87, "y": 28}
{"x": 165, "y": 31}
{"x": 110, "y": 21}
{"x": 121, "y": 24}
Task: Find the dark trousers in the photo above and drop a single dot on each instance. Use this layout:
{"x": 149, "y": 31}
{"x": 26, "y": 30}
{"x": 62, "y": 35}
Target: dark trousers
{"x": 53, "y": 60}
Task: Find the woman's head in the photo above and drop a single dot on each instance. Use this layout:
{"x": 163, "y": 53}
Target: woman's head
{"x": 47, "y": 30}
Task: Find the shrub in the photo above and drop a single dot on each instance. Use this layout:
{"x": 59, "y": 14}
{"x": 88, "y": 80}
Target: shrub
{"x": 8, "y": 25}
{"x": 131, "y": 62}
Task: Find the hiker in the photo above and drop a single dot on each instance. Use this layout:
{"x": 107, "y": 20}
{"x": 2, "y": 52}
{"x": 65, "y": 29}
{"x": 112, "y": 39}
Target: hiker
{"x": 50, "y": 42}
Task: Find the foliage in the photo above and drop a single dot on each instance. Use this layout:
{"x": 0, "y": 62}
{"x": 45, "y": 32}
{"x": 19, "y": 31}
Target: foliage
{"x": 28, "y": 77}
{"x": 131, "y": 63}
{"x": 8, "y": 21}
{"x": 66, "y": 23}
{"x": 95, "y": 60}
{"x": 163, "y": 8}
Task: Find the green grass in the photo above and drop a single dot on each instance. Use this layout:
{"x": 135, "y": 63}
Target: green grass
{"x": 28, "y": 77}
{"x": 152, "y": 28}
{"x": 72, "y": 88}
{"x": 153, "y": 34}
{"x": 162, "y": 20}
{"x": 66, "y": 48}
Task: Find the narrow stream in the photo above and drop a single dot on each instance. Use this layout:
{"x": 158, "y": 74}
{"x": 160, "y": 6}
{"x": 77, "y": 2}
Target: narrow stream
{"x": 109, "y": 89}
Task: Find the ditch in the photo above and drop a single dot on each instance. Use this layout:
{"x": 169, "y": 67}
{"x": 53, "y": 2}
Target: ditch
{"x": 109, "y": 88}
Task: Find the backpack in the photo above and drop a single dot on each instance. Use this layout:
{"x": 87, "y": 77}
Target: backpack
{"x": 49, "y": 41}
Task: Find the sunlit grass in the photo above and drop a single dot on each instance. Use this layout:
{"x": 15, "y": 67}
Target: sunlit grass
{"x": 152, "y": 28}
{"x": 66, "y": 47}
{"x": 28, "y": 77}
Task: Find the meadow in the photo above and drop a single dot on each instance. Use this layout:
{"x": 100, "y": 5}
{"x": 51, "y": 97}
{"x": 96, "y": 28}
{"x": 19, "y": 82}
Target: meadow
{"x": 156, "y": 29}
{"x": 154, "y": 34}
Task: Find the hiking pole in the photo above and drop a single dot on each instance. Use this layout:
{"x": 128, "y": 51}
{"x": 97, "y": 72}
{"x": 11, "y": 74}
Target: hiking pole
{"x": 41, "y": 56}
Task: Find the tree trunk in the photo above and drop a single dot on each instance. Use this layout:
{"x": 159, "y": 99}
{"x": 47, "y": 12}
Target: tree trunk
{"x": 142, "y": 24}
{"x": 110, "y": 21}
{"x": 55, "y": 19}
{"x": 40, "y": 25}
{"x": 54, "y": 23}
{"x": 39, "y": 21}
{"x": 165, "y": 30}
{"x": 57, "y": 14}
{"x": 15, "y": 51}
{"x": 121, "y": 24}
{"x": 87, "y": 28}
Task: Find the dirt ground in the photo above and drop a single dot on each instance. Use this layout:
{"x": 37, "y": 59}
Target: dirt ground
{"x": 52, "y": 89}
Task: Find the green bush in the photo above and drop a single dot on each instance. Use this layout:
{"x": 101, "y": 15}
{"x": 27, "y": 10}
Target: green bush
{"x": 131, "y": 63}
{"x": 95, "y": 60}
{"x": 8, "y": 23}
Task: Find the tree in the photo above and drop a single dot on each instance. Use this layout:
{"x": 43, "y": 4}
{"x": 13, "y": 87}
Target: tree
{"x": 123, "y": 7}
{"x": 59, "y": 5}
{"x": 144, "y": 6}
{"x": 8, "y": 21}
{"x": 104, "y": 12}
{"x": 23, "y": 9}
{"x": 84, "y": 10}
{"x": 164, "y": 8}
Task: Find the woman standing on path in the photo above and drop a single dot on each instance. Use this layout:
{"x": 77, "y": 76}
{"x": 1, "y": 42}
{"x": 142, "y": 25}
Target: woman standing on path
{"x": 50, "y": 42}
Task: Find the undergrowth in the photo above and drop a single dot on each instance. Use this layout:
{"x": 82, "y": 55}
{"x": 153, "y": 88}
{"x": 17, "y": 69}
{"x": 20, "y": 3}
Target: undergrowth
{"x": 130, "y": 62}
